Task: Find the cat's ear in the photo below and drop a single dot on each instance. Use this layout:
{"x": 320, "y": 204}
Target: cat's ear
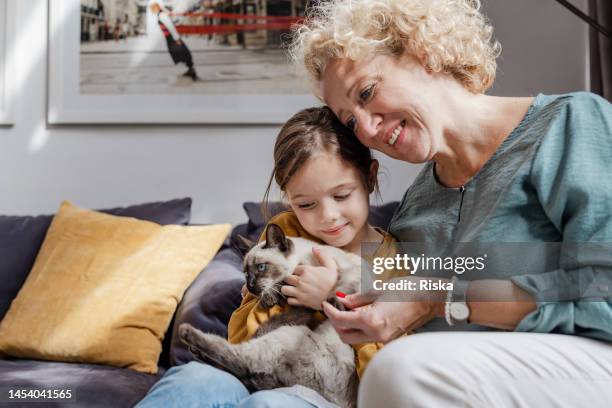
{"x": 244, "y": 245}
{"x": 275, "y": 238}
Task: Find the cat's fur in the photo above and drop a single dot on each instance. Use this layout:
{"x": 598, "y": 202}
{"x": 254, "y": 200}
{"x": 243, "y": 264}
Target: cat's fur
{"x": 290, "y": 348}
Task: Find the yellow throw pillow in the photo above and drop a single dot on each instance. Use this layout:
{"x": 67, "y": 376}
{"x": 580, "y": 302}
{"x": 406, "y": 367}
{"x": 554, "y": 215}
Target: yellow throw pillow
{"x": 104, "y": 288}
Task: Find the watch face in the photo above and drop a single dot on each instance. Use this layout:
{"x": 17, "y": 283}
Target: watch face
{"x": 459, "y": 311}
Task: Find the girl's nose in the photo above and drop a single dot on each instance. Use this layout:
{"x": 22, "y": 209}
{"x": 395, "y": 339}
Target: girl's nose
{"x": 330, "y": 212}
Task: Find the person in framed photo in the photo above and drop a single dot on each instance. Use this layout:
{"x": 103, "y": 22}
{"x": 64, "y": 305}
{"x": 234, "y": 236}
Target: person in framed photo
{"x": 176, "y": 47}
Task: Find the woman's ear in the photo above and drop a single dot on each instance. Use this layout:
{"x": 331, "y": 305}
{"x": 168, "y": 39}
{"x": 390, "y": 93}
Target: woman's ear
{"x": 373, "y": 176}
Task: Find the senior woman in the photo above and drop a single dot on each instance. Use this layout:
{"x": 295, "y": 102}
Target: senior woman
{"x": 408, "y": 77}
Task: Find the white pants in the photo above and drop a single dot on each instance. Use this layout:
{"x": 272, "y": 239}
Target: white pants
{"x": 492, "y": 369}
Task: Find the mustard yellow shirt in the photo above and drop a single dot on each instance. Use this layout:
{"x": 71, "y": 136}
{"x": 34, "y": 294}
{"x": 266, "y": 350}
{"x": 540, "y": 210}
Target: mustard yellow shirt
{"x": 249, "y": 316}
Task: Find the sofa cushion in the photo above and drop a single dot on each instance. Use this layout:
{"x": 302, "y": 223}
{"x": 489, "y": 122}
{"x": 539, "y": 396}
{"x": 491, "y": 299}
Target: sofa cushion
{"x": 22, "y": 236}
{"x": 380, "y": 215}
{"x": 124, "y": 278}
{"x": 92, "y": 385}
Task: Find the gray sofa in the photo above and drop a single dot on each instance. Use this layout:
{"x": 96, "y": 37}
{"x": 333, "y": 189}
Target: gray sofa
{"x": 206, "y": 304}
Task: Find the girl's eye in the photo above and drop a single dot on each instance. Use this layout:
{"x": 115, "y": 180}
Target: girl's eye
{"x": 261, "y": 267}
{"x": 366, "y": 93}
{"x": 342, "y": 197}
{"x": 305, "y": 206}
{"x": 351, "y": 124}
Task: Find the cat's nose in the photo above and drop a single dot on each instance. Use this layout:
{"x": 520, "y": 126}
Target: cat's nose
{"x": 250, "y": 283}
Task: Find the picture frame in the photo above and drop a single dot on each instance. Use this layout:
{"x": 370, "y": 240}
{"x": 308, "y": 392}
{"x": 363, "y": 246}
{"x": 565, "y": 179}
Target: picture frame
{"x": 67, "y": 105}
{"x": 7, "y": 61}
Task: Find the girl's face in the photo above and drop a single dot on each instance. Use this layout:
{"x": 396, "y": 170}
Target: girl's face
{"x": 330, "y": 200}
{"x": 389, "y": 102}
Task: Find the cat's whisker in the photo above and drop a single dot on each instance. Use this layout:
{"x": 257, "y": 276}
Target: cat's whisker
{"x": 277, "y": 290}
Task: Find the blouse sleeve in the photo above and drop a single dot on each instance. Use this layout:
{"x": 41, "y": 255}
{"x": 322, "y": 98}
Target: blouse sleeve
{"x": 573, "y": 180}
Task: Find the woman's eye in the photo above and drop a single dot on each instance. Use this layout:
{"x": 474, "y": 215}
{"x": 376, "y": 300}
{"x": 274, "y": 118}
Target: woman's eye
{"x": 261, "y": 267}
{"x": 366, "y": 93}
{"x": 351, "y": 124}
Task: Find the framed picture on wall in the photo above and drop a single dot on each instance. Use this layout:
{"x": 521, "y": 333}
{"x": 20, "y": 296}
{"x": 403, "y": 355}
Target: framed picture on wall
{"x": 7, "y": 60}
{"x": 173, "y": 61}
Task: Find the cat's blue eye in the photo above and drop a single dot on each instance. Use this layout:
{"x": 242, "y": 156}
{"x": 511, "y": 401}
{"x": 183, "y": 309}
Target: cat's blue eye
{"x": 261, "y": 267}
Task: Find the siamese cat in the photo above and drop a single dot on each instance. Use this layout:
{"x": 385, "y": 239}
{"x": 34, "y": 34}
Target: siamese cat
{"x": 290, "y": 348}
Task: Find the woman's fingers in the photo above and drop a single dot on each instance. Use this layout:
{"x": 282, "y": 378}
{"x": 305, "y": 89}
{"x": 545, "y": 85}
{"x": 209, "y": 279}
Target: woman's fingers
{"x": 353, "y": 336}
{"x": 348, "y": 325}
{"x": 359, "y": 299}
{"x": 343, "y": 320}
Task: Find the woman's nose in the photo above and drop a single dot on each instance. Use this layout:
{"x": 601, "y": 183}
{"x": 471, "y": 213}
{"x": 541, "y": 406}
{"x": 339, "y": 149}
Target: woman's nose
{"x": 368, "y": 126}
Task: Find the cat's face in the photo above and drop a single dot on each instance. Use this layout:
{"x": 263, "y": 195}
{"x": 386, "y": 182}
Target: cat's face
{"x": 267, "y": 264}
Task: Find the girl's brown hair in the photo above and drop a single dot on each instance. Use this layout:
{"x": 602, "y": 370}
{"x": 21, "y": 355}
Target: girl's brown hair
{"x": 312, "y": 131}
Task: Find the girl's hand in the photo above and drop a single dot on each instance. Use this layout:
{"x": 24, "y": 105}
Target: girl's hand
{"x": 373, "y": 319}
{"x": 310, "y": 286}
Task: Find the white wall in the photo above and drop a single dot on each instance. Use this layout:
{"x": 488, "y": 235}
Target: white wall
{"x": 222, "y": 166}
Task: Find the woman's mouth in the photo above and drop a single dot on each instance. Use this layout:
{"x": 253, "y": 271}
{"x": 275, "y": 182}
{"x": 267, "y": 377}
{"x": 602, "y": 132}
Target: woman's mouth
{"x": 396, "y": 133}
{"x": 335, "y": 230}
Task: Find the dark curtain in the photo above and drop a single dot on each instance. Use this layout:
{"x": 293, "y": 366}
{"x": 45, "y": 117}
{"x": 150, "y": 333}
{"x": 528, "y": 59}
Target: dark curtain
{"x": 601, "y": 48}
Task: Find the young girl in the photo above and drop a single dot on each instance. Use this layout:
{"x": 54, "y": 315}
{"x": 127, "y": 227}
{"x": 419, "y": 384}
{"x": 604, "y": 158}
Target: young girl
{"x": 326, "y": 175}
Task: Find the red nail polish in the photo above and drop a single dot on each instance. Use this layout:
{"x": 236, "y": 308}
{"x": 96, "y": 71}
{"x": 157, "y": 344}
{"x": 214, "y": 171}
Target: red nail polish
{"x": 340, "y": 294}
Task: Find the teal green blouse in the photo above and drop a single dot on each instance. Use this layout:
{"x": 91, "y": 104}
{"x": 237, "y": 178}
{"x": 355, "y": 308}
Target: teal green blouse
{"x": 549, "y": 181}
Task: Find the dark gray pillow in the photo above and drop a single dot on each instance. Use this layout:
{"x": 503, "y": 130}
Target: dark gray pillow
{"x": 22, "y": 236}
{"x": 209, "y": 301}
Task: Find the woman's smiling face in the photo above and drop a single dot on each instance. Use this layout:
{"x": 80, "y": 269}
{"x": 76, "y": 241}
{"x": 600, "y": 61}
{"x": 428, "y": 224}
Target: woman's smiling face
{"x": 389, "y": 102}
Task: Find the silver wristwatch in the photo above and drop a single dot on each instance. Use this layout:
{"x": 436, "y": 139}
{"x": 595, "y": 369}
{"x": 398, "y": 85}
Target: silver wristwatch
{"x": 456, "y": 310}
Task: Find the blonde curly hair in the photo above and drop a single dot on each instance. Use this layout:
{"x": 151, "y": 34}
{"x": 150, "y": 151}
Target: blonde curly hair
{"x": 449, "y": 36}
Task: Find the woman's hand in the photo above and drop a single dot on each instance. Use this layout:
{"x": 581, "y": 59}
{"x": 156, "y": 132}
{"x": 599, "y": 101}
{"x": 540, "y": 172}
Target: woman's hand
{"x": 375, "y": 318}
{"x": 310, "y": 286}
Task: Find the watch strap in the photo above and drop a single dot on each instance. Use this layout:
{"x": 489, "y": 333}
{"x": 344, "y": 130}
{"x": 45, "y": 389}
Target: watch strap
{"x": 457, "y": 295}
{"x": 459, "y": 292}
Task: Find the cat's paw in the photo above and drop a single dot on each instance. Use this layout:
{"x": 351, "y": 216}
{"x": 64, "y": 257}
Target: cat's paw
{"x": 192, "y": 337}
{"x": 189, "y": 334}
{"x": 335, "y": 302}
